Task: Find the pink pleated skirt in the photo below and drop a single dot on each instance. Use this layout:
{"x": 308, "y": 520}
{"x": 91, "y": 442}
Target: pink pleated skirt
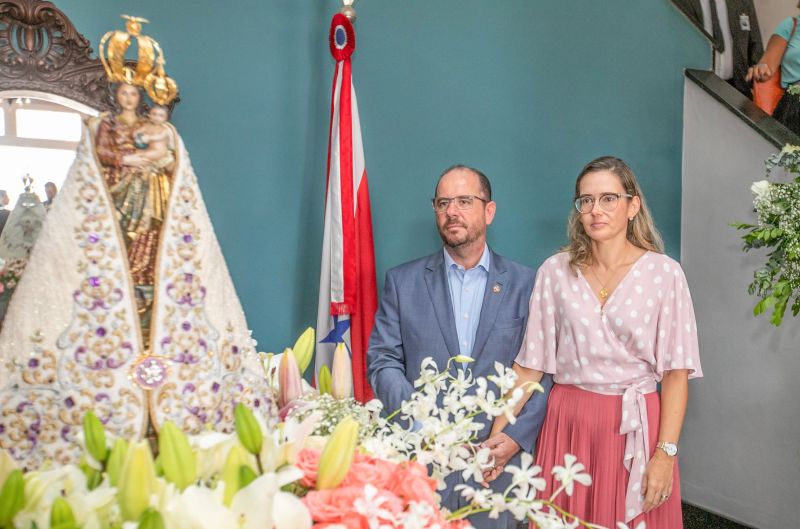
{"x": 586, "y": 425}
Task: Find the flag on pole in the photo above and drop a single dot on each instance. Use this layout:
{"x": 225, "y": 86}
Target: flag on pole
{"x": 348, "y": 294}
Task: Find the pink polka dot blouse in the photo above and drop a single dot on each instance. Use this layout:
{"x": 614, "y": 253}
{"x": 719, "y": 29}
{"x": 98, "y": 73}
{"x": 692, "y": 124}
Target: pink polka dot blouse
{"x": 646, "y": 327}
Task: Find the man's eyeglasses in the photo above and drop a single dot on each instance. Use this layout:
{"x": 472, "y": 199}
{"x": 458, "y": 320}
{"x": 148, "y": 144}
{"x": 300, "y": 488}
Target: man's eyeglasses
{"x": 440, "y": 204}
{"x": 608, "y": 202}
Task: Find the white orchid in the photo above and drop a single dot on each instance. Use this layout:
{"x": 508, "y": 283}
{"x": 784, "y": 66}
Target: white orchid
{"x": 526, "y": 474}
{"x": 571, "y": 472}
{"x": 370, "y": 507}
{"x": 639, "y": 525}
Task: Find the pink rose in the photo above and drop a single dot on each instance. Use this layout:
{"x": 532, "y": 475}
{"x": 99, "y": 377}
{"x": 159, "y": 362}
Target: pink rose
{"x": 331, "y": 505}
{"x": 336, "y": 506}
{"x": 458, "y": 524}
{"x": 412, "y": 483}
{"x": 308, "y": 463}
{"x": 369, "y": 470}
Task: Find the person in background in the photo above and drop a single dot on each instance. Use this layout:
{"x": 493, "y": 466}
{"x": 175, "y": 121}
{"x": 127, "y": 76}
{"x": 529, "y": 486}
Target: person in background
{"x": 610, "y": 319}
{"x": 4, "y": 213}
{"x": 51, "y": 191}
{"x": 735, "y": 35}
{"x": 783, "y": 54}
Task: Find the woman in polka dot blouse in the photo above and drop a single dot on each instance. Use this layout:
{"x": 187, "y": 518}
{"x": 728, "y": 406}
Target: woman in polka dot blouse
{"x": 610, "y": 317}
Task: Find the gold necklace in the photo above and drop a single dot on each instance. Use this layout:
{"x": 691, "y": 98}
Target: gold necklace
{"x": 603, "y": 290}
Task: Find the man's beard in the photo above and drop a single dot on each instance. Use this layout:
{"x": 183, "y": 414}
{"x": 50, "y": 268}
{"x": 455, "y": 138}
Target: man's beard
{"x": 459, "y": 241}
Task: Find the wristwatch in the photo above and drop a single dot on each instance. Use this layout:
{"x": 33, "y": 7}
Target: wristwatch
{"x": 671, "y": 449}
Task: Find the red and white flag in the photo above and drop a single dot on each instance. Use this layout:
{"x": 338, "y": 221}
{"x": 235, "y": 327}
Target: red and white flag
{"x": 348, "y": 294}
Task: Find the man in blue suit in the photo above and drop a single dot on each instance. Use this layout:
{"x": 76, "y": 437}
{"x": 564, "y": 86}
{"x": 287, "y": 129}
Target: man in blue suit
{"x": 464, "y": 299}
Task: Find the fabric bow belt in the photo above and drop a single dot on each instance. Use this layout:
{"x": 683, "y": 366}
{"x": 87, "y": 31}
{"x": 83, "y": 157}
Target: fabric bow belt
{"x": 637, "y": 453}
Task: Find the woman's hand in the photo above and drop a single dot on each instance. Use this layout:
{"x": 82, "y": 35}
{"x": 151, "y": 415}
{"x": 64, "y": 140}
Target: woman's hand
{"x": 759, "y": 73}
{"x": 657, "y": 480}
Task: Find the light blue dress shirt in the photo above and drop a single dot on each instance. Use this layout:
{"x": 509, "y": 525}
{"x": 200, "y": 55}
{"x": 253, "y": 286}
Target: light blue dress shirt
{"x": 466, "y": 295}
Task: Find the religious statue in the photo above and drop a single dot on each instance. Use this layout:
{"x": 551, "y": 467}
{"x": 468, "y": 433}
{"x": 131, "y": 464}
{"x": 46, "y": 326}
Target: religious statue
{"x": 137, "y": 158}
{"x": 23, "y": 225}
{"x": 127, "y": 307}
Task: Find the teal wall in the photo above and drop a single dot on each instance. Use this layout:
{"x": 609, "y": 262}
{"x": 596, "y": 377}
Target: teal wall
{"x": 527, "y": 90}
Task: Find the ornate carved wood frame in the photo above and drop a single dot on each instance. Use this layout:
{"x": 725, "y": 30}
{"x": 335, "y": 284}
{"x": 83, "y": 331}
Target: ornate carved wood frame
{"x": 41, "y": 50}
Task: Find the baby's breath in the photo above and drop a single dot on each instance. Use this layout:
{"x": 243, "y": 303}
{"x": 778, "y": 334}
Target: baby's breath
{"x": 777, "y": 208}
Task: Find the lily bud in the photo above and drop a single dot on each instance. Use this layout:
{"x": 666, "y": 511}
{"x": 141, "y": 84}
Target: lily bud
{"x": 247, "y": 429}
{"x": 246, "y": 476}
{"x": 289, "y": 380}
{"x": 137, "y": 481}
{"x": 177, "y": 459}
{"x": 304, "y": 349}
{"x": 151, "y": 519}
{"x": 7, "y": 465}
{"x": 116, "y": 458}
{"x": 337, "y": 456}
{"x": 12, "y": 498}
{"x": 324, "y": 380}
{"x": 95, "y": 436}
{"x": 61, "y": 513}
{"x": 237, "y": 458}
{"x": 342, "y": 376}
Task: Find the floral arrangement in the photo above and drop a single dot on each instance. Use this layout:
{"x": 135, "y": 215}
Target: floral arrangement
{"x": 331, "y": 463}
{"x": 777, "y": 206}
{"x": 11, "y": 272}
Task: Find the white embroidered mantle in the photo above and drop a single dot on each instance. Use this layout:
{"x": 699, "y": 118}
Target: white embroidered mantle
{"x": 71, "y": 338}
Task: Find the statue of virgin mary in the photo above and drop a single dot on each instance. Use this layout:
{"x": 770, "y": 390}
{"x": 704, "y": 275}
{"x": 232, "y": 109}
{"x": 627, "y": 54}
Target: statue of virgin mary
{"x": 126, "y": 307}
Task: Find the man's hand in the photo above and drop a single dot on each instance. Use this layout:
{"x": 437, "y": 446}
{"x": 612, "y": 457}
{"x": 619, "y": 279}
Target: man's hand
{"x": 502, "y": 448}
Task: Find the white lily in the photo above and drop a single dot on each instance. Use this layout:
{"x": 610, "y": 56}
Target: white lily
{"x": 262, "y": 505}
{"x": 295, "y": 434}
{"x": 212, "y": 450}
{"x": 197, "y": 508}
{"x": 94, "y": 509}
{"x": 41, "y": 490}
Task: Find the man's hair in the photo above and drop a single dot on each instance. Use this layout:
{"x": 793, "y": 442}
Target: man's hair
{"x": 486, "y": 186}
{"x": 3, "y": 193}
{"x": 49, "y": 184}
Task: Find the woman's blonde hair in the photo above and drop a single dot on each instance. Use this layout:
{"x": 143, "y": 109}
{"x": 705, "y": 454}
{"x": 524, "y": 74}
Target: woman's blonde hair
{"x": 642, "y": 231}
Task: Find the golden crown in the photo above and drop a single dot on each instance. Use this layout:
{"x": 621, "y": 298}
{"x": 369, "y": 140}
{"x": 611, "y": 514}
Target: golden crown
{"x": 149, "y": 68}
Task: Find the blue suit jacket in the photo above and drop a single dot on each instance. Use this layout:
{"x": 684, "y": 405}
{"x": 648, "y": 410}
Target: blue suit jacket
{"x": 415, "y": 320}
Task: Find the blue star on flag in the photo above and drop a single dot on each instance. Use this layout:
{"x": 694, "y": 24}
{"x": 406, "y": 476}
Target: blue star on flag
{"x": 340, "y": 327}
